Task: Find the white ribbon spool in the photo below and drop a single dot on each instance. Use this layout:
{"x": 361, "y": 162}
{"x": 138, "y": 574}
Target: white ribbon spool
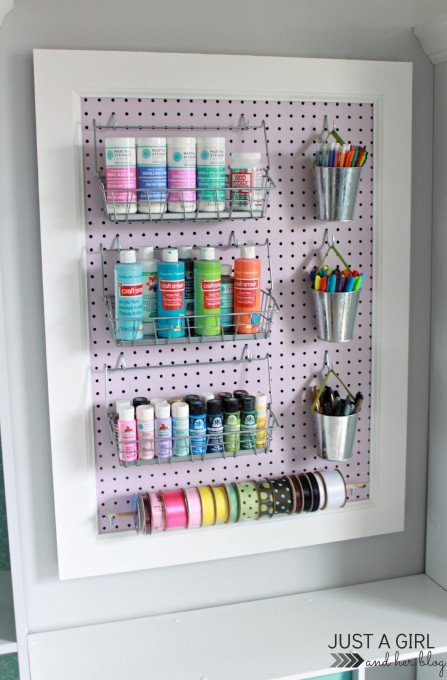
{"x": 335, "y": 488}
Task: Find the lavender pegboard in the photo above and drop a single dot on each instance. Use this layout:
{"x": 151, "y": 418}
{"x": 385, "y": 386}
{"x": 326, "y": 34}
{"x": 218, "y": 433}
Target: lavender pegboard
{"x": 297, "y": 355}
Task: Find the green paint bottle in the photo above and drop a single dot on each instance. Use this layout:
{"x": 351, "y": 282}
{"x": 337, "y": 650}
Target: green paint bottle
{"x": 207, "y": 278}
{"x": 232, "y": 425}
{"x": 248, "y": 422}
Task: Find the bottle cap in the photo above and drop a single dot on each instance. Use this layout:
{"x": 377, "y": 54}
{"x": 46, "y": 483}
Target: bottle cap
{"x": 248, "y": 403}
{"x": 196, "y": 408}
{"x": 121, "y": 402}
{"x": 231, "y": 405}
{"x": 225, "y": 269}
{"x": 181, "y": 141}
{"x": 170, "y": 255}
{"x": 128, "y": 256}
{"x": 150, "y": 141}
{"x": 145, "y": 412}
{"x": 126, "y": 413}
{"x": 119, "y": 141}
{"x": 206, "y": 396}
{"x": 173, "y": 400}
{"x": 146, "y": 253}
{"x": 185, "y": 252}
{"x": 224, "y": 395}
{"x": 157, "y": 400}
{"x": 239, "y": 393}
{"x": 162, "y": 409}
{"x": 192, "y": 397}
{"x": 261, "y": 400}
{"x": 248, "y": 251}
{"x": 180, "y": 409}
{"x": 207, "y": 253}
{"x": 214, "y": 406}
{"x": 211, "y": 141}
{"x": 138, "y": 401}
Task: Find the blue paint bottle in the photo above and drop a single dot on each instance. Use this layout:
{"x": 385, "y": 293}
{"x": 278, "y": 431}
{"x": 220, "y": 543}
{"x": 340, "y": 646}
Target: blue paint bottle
{"x": 214, "y": 426}
{"x": 171, "y": 295}
{"x": 197, "y": 428}
{"x": 128, "y": 297}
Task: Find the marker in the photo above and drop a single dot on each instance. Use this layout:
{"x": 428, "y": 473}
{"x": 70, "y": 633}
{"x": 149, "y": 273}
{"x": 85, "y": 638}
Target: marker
{"x": 317, "y": 282}
{"x": 349, "y": 287}
{"x": 358, "y": 283}
{"x": 332, "y": 283}
{"x": 323, "y": 284}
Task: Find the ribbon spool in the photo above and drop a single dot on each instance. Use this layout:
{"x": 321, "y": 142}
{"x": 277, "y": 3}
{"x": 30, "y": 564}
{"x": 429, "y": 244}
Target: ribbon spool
{"x": 335, "y": 486}
{"x": 283, "y": 495}
{"x": 157, "y": 511}
{"x": 266, "y": 500}
{"x": 248, "y": 500}
{"x": 307, "y": 492}
{"x": 208, "y": 505}
{"x": 175, "y": 509}
{"x": 143, "y": 516}
{"x": 299, "y": 496}
{"x": 221, "y": 503}
{"x": 322, "y": 489}
{"x": 233, "y": 502}
{"x": 315, "y": 491}
{"x": 193, "y": 507}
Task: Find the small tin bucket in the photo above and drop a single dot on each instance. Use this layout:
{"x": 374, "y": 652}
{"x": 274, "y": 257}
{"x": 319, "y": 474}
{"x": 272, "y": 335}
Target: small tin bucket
{"x": 336, "y": 192}
{"x": 335, "y": 314}
{"x": 335, "y": 435}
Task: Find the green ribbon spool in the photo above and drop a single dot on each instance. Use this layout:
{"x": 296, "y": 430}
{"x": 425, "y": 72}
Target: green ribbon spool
{"x": 248, "y": 500}
{"x": 233, "y": 502}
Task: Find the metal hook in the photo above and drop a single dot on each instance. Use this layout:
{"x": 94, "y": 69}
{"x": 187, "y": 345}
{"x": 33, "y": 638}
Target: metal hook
{"x": 326, "y": 361}
{"x": 326, "y": 238}
{"x": 113, "y": 121}
{"x": 233, "y": 240}
{"x": 244, "y": 122}
{"x": 121, "y": 362}
{"x": 246, "y": 354}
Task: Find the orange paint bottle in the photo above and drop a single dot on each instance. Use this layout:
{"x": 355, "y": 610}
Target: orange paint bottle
{"x": 247, "y": 291}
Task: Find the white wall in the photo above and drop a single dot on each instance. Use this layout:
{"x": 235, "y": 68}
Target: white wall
{"x": 346, "y": 29}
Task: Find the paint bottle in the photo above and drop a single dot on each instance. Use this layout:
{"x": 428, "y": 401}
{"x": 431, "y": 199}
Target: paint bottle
{"x": 127, "y": 434}
{"x": 139, "y": 401}
{"x": 191, "y": 397}
{"x": 247, "y": 291}
{"x": 248, "y": 423}
{"x": 149, "y": 278}
{"x": 121, "y": 175}
{"x": 185, "y": 256}
{"x": 206, "y": 396}
{"x": 180, "y": 428}
{"x": 232, "y": 425}
{"x": 170, "y": 295}
{"x": 224, "y": 395}
{"x": 197, "y": 428}
{"x": 246, "y": 173}
{"x": 181, "y": 158}
{"x": 145, "y": 431}
{"x": 238, "y": 394}
{"x": 152, "y": 174}
{"x": 261, "y": 420}
{"x": 226, "y": 299}
{"x": 157, "y": 400}
{"x": 211, "y": 174}
{"x": 214, "y": 426}
{"x": 128, "y": 297}
{"x": 207, "y": 276}
{"x": 119, "y": 404}
{"x": 163, "y": 430}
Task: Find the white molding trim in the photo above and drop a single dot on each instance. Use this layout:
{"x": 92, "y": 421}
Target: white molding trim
{"x": 6, "y": 6}
{"x": 433, "y": 38}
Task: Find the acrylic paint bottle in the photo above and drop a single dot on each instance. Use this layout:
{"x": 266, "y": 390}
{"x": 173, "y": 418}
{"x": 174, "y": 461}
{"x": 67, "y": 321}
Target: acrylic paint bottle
{"x": 246, "y": 173}
{"x": 207, "y": 278}
{"x": 149, "y": 279}
{"x": 121, "y": 175}
{"x": 128, "y": 297}
{"x": 152, "y": 174}
{"x": 197, "y": 428}
{"x": 145, "y": 431}
{"x": 171, "y": 295}
{"x": 180, "y": 428}
{"x": 211, "y": 174}
{"x": 214, "y": 426}
{"x": 232, "y": 425}
{"x": 261, "y": 420}
{"x": 127, "y": 434}
{"x": 163, "y": 430}
{"x": 185, "y": 256}
{"x": 181, "y": 158}
{"x": 248, "y": 423}
{"x": 226, "y": 299}
{"x": 247, "y": 291}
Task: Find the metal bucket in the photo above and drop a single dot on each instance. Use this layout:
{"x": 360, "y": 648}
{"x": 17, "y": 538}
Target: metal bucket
{"x": 336, "y": 314}
{"x": 335, "y": 435}
{"x": 336, "y": 192}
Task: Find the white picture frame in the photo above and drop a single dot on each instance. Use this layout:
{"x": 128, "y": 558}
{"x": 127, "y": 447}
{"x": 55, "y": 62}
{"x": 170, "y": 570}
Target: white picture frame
{"x": 62, "y": 79}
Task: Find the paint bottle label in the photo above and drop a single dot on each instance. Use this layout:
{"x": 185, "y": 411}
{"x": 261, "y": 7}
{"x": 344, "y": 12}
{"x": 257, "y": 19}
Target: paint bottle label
{"x": 145, "y": 434}
{"x": 172, "y": 294}
{"x": 127, "y": 445}
{"x": 211, "y": 294}
{"x": 261, "y": 433}
{"x": 149, "y": 300}
{"x": 226, "y": 304}
{"x": 151, "y": 171}
{"x": 232, "y": 426}
{"x": 197, "y": 433}
{"x": 248, "y": 431}
{"x": 121, "y": 171}
{"x": 181, "y": 174}
{"x": 244, "y": 180}
{"x": 180, "y": 431}
{"x": 163, "y": 437}
{"x": 129, "y": 305}
{"x": 214, "y": 431}
{"x": 211, "y": 171}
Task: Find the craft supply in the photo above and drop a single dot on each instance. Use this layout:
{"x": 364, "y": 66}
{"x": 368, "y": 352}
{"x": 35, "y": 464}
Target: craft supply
{"x": 157, "y": 511}
{"x": 192, "y": 397}
{"x": 247, "y": 291}
{"x": 214, "y": 426}
{"x": 127, "y": 434}
{"x": 248, "y": 500}
{"x": 336, "y": 155}
{"x": 149, "y": 280}
{"x": 335, "y": 487}
{"x": 145, "y": 431}
{"x": 121, "y": 175}
{"x": 261, "y": 420}
{"x": 163, "y": 430}
{"x": 206, "y": 396}
{"x": 208, "y": 505}
{"x": 181, "y": 160}
{"x": 180, "y": 428}
{"x": 207, "y": 281}
{"x": 185, "y": 256}
{"x": 232, "y": 424}
{"x": 266, "y": 499}
{"x": 137, "y": 401}
{"x": 322, "y": 490}
{"x": 194, "y": 507}
{"x": 248, "y": 423}
{"x": 211, "y": 174}
{"x": 283, "y": 495}
{"x": 246, "y": 181}
{"x": 197, "y": 427}
{"x": 128, "y": 297}
{"x": 152, "y": 174}
{"x": 315, "y": 491}
{"x": 299, "y": 495}
{"x": 175, "y": 509}
{"x": 226, "y": 299}
{"x": 306, "y": 488}
{"x": 233, "y": 502}
{"x": 221, "y": 503}
{"x": 171, "y": 295}
{"x": 224, "y": 395}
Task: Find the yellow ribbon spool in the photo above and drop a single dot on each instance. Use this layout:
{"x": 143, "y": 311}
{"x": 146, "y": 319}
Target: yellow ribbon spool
{"x": 208, "y": 505}
{"x": 221, "y": 503}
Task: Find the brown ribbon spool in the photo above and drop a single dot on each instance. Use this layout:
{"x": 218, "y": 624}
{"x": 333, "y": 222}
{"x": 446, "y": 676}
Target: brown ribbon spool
{"x": 299, "y": 497}
{"x": 283, "y": 495}
{"x": 266, "y": 499}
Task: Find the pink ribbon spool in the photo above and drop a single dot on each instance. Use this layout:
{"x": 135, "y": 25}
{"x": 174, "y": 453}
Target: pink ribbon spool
{"x": 194, "y": 507}
{"x": 175, "y": 507}
{"x": 157, "y": 505}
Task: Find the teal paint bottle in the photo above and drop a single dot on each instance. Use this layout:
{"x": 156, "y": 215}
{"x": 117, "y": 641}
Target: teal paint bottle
{"x": 128, "y": 297}
{"x": 171, "y": 295}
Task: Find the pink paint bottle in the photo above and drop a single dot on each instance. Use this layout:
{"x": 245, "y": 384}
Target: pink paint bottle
{"x": 127, "y": 434}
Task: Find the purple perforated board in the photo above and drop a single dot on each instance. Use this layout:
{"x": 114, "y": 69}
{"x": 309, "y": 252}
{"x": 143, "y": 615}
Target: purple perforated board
{"x": 297, "y": 355}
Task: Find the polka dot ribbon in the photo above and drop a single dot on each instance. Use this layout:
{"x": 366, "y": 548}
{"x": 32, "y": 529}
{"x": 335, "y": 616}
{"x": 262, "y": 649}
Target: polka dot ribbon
{"x": 266, "y": 500}
{"x": 248, "y": 500}
{"x": 283, "y": 495}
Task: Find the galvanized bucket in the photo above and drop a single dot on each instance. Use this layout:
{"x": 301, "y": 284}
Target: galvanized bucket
{"x": 336, "y": 314}
{"x": 335, "y": 435}
{"x": 336, "y": 192}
